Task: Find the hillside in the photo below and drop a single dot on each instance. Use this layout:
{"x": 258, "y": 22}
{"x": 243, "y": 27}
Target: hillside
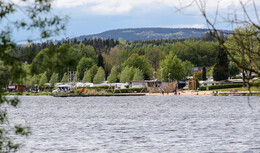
{"x": 147, "y": 33}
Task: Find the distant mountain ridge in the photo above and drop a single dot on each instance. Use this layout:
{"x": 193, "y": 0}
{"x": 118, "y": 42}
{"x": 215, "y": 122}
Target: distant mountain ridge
{"x": 132, "y": 34}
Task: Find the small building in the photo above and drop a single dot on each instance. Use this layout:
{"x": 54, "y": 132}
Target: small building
{"x": 235, "y": 80}
{"x": 210, "y": 83}
{"x": 138, "y": 84}
{"x": 15, "y": 88}
{"x": 120, "y": 85}
{"x": 196, "y": 69}
{"x": 155, "y": 86}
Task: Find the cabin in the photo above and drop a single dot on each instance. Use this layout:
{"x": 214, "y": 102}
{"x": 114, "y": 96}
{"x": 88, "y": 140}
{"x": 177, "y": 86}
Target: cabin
{"x": 155, "y": 86}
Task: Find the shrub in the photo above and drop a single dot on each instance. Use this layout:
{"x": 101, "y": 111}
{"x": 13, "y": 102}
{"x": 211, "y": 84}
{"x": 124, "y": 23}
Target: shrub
{"x": 98, "y": 88}
{"x": 222, "y": 86}
{"x": 78, "y": 92}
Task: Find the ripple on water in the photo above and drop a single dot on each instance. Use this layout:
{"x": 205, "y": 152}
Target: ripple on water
{"x": 140, "y": 124}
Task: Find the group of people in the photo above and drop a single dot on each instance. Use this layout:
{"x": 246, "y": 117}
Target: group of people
{"x": 31, "y": 90}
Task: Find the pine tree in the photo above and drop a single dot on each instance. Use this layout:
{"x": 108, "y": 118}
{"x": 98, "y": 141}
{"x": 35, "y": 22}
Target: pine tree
{"x": 204, "y": 73}
{"x": 221, "y": 68}
{"x": 100, "y": 61}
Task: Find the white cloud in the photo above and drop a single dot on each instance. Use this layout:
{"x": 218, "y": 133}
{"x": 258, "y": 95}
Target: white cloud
{"x": 70, "y": 3}
{"x": 199, "y": 26}
{"x": 106, "y": 7}
{"x": 110, "y": 7}
{"x": 117, "y": 6}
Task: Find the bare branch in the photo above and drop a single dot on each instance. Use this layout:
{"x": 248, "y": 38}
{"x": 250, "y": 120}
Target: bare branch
{"x": 256, "y": 13}
{"x": 179, "y": 9}
{"x": 248, "y": 17}
{"x": 216, "y": 14}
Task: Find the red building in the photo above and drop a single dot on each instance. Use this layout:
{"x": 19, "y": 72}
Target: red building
{"x": 14, "y": 87}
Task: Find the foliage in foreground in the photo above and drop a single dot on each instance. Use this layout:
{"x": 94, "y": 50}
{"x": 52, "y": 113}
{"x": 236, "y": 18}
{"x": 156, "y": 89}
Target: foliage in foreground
{"x": 38, "y": 18}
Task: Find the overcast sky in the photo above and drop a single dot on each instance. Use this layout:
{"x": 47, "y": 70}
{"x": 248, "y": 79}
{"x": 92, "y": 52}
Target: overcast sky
{"x": 95, "y": 16}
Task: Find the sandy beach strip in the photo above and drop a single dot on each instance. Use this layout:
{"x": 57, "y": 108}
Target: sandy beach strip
{"x": 183, "y": 93}
{"x": 199, "y": 93}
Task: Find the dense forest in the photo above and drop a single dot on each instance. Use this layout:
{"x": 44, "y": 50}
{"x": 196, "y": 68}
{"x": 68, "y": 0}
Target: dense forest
{"x": 96, "y": 60}
{"x": 133, "y": 34}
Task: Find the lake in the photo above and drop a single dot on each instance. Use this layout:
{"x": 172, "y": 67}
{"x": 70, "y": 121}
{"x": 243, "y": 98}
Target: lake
{"x": 139, "y": 124}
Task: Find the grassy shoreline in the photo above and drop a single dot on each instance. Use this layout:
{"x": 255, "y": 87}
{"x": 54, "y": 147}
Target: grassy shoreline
{"x": 221, "y": 92}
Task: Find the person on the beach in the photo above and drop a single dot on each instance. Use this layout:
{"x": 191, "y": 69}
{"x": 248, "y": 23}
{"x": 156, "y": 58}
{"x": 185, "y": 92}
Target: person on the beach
{"x": 175, "y": 92}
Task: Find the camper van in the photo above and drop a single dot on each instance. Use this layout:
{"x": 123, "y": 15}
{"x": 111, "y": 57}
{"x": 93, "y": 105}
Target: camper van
{"x": 63, "y": 88}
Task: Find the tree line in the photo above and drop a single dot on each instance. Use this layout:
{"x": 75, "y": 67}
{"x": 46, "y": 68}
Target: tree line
{"x": 96, "y": 60}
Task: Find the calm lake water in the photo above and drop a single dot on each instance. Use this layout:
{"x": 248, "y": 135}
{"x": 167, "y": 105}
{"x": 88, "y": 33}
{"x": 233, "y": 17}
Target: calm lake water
{"x": 140, "y": 124}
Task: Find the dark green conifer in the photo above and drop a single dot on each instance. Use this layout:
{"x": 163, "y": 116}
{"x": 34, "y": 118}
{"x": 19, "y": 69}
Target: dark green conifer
{"x": 221, "y": 69}
{"x": 204, "y": 73}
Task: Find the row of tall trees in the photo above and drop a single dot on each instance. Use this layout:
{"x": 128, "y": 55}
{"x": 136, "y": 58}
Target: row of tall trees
{"x": 52, "y": 63}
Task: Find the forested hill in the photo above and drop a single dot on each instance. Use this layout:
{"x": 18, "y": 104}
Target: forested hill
{"x": 147, "y": 34}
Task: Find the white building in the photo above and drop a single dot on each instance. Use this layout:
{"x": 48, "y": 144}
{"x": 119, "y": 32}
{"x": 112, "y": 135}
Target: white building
{"x": 138, "y": 84}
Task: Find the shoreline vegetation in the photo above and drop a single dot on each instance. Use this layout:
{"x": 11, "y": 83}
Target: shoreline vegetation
{"x": 201, "y": 63}
{"x": 94, "y": 92}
